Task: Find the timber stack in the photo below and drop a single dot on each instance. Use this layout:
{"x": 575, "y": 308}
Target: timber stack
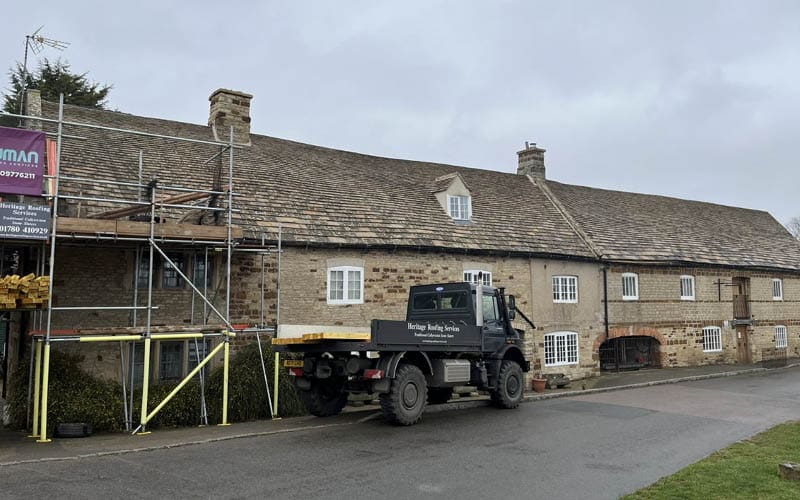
{"x": 26, "y": 292}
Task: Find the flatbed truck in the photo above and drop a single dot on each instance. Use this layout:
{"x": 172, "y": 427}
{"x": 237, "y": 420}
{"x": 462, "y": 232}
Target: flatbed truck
{"x": 454, "y": 334}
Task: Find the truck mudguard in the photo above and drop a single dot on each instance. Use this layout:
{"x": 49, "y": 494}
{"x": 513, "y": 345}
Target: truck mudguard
{"x": 389, "y": 364}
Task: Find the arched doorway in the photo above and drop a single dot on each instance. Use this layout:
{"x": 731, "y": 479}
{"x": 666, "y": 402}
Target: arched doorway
{"x": 629, "y": 353}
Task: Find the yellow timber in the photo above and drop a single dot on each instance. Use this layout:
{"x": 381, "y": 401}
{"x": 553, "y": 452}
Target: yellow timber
{"x": 310, "y": 338}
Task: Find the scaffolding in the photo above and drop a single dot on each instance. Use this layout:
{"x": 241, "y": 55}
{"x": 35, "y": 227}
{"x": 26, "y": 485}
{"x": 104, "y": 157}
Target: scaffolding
{"x": 150, "y": 237}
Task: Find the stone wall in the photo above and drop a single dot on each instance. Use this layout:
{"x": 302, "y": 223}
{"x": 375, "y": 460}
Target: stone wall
{"x": 388, "y": 277}
{"x": 678, "y": 324}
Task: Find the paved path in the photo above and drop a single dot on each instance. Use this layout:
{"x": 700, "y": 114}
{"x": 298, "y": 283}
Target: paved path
{"x": 590, "y": 446}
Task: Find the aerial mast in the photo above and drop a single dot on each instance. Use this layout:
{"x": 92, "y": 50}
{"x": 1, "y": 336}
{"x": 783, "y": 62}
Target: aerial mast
{"x": 35, "y": 43}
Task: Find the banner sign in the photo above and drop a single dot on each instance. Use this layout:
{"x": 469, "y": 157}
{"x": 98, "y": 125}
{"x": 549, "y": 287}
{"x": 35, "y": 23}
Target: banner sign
{"x": 24, "y": 221}
{"x": 21, "y": 161}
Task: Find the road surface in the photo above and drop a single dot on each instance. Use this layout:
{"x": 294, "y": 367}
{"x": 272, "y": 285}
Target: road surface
{"x": 592, "y": 446}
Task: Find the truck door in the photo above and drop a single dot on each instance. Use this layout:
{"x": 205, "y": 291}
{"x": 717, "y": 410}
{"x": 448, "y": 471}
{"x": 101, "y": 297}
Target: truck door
{"x": 494, "y": 335}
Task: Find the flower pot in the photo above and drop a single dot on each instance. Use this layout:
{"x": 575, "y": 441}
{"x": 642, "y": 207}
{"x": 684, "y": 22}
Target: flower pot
{"x": 539, "y": 384}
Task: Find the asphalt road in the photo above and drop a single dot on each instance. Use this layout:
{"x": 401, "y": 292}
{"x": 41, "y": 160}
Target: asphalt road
{"x": 594, "y": 446}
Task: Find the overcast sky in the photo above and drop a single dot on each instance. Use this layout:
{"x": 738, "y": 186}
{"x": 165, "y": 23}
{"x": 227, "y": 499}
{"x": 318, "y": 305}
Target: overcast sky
{"x": 696, "y": 99}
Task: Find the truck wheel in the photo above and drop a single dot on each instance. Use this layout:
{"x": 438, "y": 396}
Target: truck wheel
{"x": 324, "y": 398}
{"x": 439, "y": 395}
{"x": 508, "y": 393}
{"x": 405, "y": 402}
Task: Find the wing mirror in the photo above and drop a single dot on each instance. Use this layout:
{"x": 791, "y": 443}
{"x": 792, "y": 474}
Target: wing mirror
{"x": 512, "y": 307}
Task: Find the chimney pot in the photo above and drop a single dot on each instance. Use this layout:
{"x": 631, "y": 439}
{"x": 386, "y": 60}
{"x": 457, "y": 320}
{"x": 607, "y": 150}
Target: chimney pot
{"x": 230, "y": 108}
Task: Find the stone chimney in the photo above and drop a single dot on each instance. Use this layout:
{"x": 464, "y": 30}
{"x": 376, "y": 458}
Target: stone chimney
{"x": 531, "y": 161}
{"x": 230, "y": 108}
{"x": 33, "y": 107}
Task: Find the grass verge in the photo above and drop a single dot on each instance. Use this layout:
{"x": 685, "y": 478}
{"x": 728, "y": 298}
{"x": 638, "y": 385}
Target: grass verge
{"x": 748, "y": 469}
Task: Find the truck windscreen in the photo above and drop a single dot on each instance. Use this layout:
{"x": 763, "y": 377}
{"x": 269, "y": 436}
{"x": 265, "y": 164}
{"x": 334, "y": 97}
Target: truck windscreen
{"x": 450, "y": 300}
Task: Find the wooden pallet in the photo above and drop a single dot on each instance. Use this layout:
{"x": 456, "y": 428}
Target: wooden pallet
{"x": 311, "y": 338}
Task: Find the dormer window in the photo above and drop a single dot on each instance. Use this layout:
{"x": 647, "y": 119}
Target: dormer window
{"x": 454, "y": 196}
{"x": 459, "y": 207}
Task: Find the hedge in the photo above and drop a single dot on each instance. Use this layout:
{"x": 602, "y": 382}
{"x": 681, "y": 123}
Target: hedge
{"x": 78, "y": 396}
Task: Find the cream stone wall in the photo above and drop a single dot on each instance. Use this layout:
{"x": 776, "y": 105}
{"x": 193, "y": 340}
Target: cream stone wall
{"x": 677, "y": 324}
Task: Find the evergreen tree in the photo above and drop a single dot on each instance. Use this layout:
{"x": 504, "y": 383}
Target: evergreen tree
{"x": 52, "y": 79}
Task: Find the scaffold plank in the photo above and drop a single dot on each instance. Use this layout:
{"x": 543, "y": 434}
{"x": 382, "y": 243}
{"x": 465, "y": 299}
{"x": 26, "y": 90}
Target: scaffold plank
{"x": 76, "y": 225}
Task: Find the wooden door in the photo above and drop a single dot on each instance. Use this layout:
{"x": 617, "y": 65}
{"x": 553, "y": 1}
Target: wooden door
{"x": 742, "y": 345}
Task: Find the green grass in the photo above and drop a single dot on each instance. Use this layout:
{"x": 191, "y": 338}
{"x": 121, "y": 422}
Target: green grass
{"x": 748, "y": 469}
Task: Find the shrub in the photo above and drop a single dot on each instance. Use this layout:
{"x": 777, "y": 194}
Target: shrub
{"x": 77, "y": 396}
{"x": 74, "y": 396}
{"x": 247, "y": 398}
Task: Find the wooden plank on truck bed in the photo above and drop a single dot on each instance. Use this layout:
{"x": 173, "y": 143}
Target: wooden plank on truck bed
{"x": 287, "y": 341}
{"x": 317, "y": 337}
{"x": 310, "y": 338}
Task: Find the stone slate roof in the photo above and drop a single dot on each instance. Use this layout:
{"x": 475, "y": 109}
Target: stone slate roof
{"x": 323, "y": 196}
{"x": 640, "y": 227}
{"x": 319, "y": 196}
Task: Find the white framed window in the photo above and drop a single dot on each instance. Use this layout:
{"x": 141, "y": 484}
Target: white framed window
{"x": 472, "y": 276}
{"x": 687, "y": 287}
{"x": 560, "y": 348}
{"x": 781, "y": 337}
{"x": 712, "y": 339}
{"x": 630, "y": 286}
{"x": 346, "y": 285}
{"x": 565, "y": 289}
{"x": 459, "y": 207}
{"x": 777, "y": 289}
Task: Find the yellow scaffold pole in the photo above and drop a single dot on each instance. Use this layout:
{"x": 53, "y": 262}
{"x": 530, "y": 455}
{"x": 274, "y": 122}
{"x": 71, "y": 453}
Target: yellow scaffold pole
{"x": 37, "y": 360}
{"x": 277, "y": 385}
{"x": 183, "y": 383}
{"x": 45, "y": 383}
{"x": 145, "y": 385}
{"x": 226, "y": 358}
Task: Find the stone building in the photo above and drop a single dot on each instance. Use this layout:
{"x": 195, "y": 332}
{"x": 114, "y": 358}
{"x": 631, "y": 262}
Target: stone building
{"x": 610, "y": 278}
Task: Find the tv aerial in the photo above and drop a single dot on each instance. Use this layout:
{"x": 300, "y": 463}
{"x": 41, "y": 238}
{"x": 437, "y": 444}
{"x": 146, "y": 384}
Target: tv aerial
{"x": 36, "y": 43}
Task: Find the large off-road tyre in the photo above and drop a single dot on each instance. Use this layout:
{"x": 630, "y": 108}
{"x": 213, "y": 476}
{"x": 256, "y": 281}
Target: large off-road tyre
{"x": 406, "y": 400}
{"x": 325, "y": 398}
{"x": 510, "y": 385}
{"x": 439, "y": 395}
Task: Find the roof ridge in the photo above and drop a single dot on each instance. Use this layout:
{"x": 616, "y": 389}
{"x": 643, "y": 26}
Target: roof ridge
{"x": 562, "y": 210}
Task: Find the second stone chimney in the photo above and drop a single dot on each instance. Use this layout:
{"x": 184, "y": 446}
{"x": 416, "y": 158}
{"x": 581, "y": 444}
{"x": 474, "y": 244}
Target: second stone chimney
{"x": 230, "y": 108}
{"x": 33, "y": 107}
{"x": 531, "y": 161}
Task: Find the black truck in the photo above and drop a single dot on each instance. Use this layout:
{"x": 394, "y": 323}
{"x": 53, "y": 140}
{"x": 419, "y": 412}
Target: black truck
{"x": 454, "y": 334}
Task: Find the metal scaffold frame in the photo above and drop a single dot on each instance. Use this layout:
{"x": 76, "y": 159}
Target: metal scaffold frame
{"x": 41, "y": 342}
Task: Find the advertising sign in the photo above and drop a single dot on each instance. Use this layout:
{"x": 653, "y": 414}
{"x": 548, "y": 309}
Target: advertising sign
{"x": 25, "y": 221}
{"x": 447, "y": 334}
{"x": 21, "y": 161}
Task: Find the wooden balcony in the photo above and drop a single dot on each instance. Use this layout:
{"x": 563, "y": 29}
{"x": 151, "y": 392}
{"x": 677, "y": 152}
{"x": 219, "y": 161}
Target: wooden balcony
{"x": 741, "y": 307}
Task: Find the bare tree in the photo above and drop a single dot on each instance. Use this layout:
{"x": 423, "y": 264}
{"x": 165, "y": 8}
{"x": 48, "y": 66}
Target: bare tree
{"x": 794, "y": 227}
